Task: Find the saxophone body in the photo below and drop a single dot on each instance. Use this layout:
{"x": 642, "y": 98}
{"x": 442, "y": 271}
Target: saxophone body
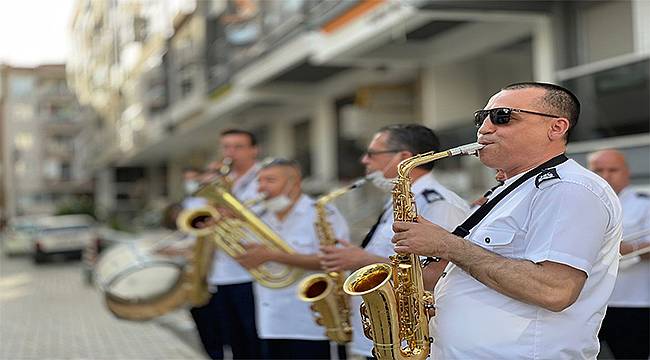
{"x": 330, "y": 304}
{"x": 395, "y": 312}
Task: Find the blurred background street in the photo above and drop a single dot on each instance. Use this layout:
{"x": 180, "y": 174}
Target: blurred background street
{"x": 50, "y": 312}
{"x": 105, "y": 104}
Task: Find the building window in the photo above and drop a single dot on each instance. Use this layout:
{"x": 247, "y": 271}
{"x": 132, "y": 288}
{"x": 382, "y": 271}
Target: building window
{"x": 614, "y": 101}
{"x": 302, "y": 141}
{"x": 598, "y": 41}
{"x": 66, "y": 172}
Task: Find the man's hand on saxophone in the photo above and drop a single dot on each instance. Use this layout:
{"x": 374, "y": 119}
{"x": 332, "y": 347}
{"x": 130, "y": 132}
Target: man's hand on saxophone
{"x": 421, "y": 238}
{"x": 415, "y": 238}
{"x": 346, "y": 257}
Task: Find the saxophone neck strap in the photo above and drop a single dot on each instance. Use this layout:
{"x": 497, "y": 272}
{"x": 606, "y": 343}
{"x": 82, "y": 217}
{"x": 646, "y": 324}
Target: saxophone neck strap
{"x": 464, "y": 229}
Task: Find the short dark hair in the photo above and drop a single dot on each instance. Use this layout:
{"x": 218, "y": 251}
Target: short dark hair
{"x": 414, "y": 138}
{"x": 272, "y": 162}
{"x": 557, "y": 100}
{"x": 250, "y": 135}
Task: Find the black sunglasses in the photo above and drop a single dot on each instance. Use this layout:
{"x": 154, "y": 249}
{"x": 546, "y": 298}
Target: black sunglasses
{"x": 501, "y": 116}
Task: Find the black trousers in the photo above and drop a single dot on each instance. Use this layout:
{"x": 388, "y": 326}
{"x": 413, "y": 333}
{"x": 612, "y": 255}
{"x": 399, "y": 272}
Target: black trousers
{"x": 627, "y": 332}
{"x": 295, "y": 349}
{"x": 229, "y": 318}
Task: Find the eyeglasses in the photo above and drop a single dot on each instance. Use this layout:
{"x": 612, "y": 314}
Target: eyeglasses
{"x": 501, "y": 116}
{"x": 371, "y": 153}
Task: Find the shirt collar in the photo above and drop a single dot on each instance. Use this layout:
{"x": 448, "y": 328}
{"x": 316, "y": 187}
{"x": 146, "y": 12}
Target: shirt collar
{"x": 626, "y": 192}
{"x": 248, "y": 175}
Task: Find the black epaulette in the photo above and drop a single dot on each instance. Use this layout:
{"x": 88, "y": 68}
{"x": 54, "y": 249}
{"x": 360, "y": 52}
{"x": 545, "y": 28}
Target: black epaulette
{"x": 643, "y": 195}
{"x": 431, "y": 195}
{"x": 546, "y": 175}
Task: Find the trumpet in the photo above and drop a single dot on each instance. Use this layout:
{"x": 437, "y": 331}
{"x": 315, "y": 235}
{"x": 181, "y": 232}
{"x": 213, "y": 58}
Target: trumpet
{"x": 396, "y": 315}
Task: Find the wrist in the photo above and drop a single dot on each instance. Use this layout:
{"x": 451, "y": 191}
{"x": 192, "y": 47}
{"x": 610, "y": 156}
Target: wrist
{"x": 451, "y": 249}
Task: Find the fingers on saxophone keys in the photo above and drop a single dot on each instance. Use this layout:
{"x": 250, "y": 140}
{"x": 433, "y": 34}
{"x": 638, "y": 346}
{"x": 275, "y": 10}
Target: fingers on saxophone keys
{"x": 399, "y": 226}
{"x": 399, "y": 236}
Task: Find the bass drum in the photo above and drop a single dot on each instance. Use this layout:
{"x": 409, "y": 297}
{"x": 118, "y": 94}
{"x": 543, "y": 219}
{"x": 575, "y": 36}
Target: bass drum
{"x": 138, "y": 284}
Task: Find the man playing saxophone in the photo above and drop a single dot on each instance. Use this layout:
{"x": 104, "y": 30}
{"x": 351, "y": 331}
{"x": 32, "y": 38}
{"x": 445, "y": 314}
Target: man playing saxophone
{"x": 389, "y": 146}
{"x": 230, "y": 314}
{"x": 530, "y": 272}
{"x": 284, "y": 321}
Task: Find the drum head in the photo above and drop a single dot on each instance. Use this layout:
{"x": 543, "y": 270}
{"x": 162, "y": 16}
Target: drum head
{"x": 144, "y": 283}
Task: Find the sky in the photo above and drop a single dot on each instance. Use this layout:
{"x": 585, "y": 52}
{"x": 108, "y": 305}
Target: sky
{"x": 34, "y": 32}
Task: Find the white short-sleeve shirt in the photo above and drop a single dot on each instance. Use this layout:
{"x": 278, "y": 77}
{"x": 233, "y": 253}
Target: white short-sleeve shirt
{"x": 571, "y": 217}
{"x": 225, "y": 270}
{"x": 280, "y": 313}
{"x": 633, "y": 283}
{"x": 436, "y": 204}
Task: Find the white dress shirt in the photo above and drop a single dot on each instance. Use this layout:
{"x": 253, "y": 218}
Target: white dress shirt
{"x": 633, "y": 283}
{"x": 574, "y": 219}
{"x": 436, "y": 204}
{"x": 225, "y": 270}
{"x": 280, "y": 313}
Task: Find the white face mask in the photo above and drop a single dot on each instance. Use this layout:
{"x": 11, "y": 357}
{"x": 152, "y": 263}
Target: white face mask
{"x": 278, "y": 203}
{"x": 191, "y": 186}
{"x": 377, "y": 178}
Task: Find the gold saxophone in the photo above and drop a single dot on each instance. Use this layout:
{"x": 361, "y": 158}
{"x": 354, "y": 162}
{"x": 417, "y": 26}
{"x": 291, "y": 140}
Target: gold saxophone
{"x": 236, "y": 226}
{"x": 396, "y": 315}
{"x": 330, "y": 304}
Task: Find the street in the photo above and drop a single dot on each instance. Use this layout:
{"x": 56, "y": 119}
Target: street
{"x": 48, "y": 312}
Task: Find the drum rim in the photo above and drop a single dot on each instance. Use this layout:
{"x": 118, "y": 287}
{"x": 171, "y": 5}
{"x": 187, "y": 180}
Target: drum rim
{"x": 121, "y": 275}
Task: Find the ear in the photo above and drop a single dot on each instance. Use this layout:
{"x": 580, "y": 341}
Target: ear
{"x": 405, "y": 154}
{"x": 558, "y": 129}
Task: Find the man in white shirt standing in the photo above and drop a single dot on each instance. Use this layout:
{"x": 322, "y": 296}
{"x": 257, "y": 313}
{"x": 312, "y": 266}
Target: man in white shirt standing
{"x": 530, "y": 272}
{"x": 230, "y": 314}
{"x": 284, "y": 322}
{"x": 626, "y": 328}
{"x": 388, "y": 148}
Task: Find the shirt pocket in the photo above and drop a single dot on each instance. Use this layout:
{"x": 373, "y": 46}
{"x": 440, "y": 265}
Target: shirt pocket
{"x": 496, "y": 240}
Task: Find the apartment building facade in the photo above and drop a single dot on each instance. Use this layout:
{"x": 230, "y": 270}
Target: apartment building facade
{"x": 315, "y": 79}
{"x": 41, "y": 120}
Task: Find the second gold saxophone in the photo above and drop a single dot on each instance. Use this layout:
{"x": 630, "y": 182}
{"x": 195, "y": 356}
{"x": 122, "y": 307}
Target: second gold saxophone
{"x": 395, "y": 314}
{"x": 325, "y": 291}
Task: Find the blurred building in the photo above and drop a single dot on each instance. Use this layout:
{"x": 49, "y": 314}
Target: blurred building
{"x": 314, "y": 80}
{"x": 41, "y": 120}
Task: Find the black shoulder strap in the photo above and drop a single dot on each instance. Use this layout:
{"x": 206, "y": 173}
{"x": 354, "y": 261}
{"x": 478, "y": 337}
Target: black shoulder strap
{"x": 463, "y": 229}
{"x": 368, "y": 237}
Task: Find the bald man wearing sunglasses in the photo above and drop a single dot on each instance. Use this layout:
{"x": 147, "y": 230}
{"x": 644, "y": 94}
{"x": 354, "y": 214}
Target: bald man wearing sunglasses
{"x": 531, "y": 270}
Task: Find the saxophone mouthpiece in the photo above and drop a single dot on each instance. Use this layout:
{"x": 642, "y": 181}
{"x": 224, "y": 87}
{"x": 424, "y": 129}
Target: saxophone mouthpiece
{"x": 468, "y": 149}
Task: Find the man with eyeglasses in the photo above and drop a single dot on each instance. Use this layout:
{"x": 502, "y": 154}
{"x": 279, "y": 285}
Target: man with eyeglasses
{"x": 389, "y": 146}
{"x": 284, "y": 322}
{"x": 626, "y": 328}
{"x": 229, "y": 317}
{"x": 531, "y": 270}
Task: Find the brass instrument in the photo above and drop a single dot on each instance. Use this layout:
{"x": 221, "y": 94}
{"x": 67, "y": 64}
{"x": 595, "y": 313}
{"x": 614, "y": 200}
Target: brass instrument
{"x": 330, "y": 304}
{"x": 236, "y": 226}
{"x": 633, "y": 257}
{"x": 396, "y": 315}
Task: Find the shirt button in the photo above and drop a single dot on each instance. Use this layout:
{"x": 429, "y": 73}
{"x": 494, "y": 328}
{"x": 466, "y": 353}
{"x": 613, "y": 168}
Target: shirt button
{"x": 487, "y": 240}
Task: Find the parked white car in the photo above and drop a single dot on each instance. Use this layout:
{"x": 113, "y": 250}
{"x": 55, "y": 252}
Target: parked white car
{"x": 18, "y": 237}
{"x": 63, "y": 235}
